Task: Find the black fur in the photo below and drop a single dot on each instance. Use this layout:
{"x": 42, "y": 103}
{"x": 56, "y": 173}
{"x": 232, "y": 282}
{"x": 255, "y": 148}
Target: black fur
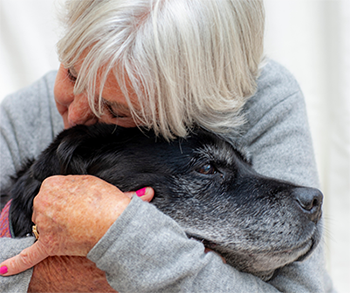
{"x": 257, "y": 223}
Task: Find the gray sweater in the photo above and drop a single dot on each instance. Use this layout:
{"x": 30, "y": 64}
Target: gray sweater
{"x": 145, "y": 250}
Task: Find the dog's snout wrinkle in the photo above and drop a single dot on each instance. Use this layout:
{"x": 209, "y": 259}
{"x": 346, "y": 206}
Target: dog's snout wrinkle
{"x": 310, "y": 200}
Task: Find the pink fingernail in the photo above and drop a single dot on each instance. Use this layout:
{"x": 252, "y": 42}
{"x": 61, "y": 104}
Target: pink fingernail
{"x": 3, "y": 270}
{"x": 141, "y": 192}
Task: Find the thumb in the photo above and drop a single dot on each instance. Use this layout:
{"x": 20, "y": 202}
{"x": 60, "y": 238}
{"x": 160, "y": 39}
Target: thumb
{"x": 146, "y": 193}
{"x": 28, "y": 258}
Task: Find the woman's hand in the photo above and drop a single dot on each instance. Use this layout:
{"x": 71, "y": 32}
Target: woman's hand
{"x": 68, "y": 274}
{"x": 72, "y": 213}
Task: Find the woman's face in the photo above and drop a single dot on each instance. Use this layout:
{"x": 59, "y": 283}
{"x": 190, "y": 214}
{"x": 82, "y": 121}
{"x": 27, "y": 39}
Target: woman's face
{"x": 75, "y": 109}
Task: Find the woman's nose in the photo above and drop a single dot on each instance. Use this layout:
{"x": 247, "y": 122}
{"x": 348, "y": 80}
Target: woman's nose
{"x": 79, "y": 112}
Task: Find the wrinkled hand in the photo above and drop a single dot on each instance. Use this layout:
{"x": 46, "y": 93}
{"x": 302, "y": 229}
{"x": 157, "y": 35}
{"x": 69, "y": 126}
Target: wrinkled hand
{"x": 72, "y": 213}
{"x": 68, "y": 274}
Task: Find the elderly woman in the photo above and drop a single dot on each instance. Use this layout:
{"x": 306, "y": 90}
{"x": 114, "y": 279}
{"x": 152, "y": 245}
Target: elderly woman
{"x": 165, "y": 65}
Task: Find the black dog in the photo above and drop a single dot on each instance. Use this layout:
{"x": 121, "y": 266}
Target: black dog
{"x": 257, "y": 224}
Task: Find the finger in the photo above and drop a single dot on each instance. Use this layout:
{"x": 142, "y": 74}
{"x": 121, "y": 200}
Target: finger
{"x": 206, "y": 250}
{"x": 28, "y": 258}
{"x": 146, "y": 193}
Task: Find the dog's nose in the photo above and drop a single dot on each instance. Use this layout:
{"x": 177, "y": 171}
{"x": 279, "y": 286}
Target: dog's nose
{"x": 310, "y": 200}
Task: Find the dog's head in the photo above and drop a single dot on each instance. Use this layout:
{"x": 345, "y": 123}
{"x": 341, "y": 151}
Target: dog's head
{"x": 257, "y": 223}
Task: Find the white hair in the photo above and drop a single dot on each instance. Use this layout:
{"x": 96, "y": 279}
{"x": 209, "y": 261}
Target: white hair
{"x": 188, "y": 61}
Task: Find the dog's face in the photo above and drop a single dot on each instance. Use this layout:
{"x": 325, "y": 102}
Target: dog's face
{"x": 257, "y": 223}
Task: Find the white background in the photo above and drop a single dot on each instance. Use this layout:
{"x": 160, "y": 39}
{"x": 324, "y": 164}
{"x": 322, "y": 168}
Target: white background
{"x": 310, "y": 37}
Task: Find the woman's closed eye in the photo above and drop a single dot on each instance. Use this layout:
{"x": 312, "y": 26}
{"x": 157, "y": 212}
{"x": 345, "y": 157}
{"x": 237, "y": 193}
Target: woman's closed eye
{"x": 70, "y": 76}
{"x": 112, "y": 113}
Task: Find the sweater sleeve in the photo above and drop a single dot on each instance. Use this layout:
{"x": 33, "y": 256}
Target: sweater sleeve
{"x": 145, "y": 251}
{"x": 28, "y": 122}
{"x": 277, "y": 134}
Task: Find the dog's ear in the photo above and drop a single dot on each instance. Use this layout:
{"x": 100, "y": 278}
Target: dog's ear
{"x": 71, "y": 151}
{"x": 57, "y": 158}
{"x": 65, "y": 152}
{"x": 78, "y": 145}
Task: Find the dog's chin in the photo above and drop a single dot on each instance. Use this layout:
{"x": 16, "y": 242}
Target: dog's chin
{"x": 262, "y": 264}
{"x": 314, "y": 242}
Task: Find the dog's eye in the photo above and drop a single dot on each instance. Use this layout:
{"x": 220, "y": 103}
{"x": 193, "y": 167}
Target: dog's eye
{"x": 207, "y": 169}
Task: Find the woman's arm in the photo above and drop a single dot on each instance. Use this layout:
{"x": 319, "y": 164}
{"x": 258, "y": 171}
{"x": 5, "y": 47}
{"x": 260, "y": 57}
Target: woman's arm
{"x": 157, "y": 257}
{"x": 278, "y": 138}
{"x": 28, "y": 122}
{"x": 147, "y": 251}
